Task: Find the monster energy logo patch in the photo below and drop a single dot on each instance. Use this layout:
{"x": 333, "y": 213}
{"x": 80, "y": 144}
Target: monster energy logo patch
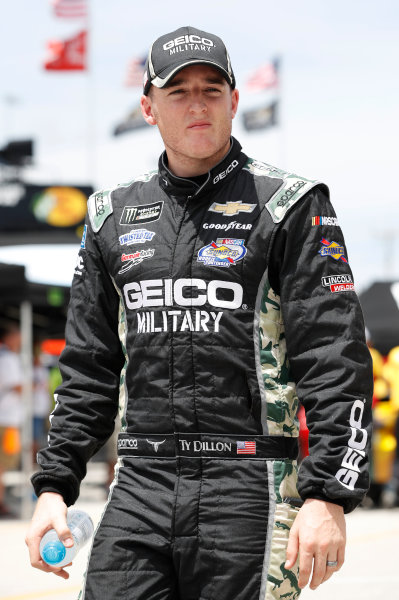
{"x": 141, "y": 214}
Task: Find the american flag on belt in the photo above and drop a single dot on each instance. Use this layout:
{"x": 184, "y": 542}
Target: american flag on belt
{"x": 246, "y": 447}
{"x": 264, "y": 78}
{"x": 70, "y": 8}
{"x": 135, "y": 72}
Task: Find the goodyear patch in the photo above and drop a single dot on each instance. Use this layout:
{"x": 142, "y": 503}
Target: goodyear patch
{"x": 332, "y": 249}
{"x": 225, "y": 252}
{"x": 99, "y": 207}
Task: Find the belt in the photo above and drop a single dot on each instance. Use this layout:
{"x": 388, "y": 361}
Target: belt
{"x": 204, "y": 445}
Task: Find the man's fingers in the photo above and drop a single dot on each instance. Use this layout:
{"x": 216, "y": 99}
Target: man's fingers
{"x": 63, "y": 531}
{"x": 340, "y": 556}
{"x": 305, "y": 566}
{"x": 292, "y": 549}
{"x": 39, "y": 563}
{"x": 320, "y": 571}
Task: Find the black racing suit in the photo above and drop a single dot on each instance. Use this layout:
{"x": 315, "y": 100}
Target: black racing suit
{"x": 208, "y": 310}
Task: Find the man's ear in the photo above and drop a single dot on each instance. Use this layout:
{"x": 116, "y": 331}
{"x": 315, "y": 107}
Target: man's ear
{"x": 146, "y": 109}
{"x": 234, "y": 102}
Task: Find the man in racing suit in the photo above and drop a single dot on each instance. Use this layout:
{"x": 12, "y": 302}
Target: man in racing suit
{"x": 208, "y": 297}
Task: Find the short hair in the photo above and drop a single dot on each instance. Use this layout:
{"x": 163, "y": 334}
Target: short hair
{"x": 6, "y": 328}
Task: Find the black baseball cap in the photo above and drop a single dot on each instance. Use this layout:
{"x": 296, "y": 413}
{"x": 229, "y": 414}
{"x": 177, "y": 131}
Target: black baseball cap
{"x": 186, "y": 46}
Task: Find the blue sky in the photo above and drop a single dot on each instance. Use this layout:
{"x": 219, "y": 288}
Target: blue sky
{"x": 339, "y": 101}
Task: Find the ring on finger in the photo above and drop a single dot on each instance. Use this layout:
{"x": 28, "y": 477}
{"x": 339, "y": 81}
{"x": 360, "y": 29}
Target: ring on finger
{"x": 332, "y": 563}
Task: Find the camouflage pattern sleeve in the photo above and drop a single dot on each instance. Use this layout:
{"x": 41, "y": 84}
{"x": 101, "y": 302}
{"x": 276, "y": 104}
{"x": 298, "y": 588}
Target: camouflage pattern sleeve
{"x": 328, "y": 356}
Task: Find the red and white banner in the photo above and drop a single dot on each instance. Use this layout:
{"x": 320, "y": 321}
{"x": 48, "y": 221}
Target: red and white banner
{"x": 69, "y": 55}
{"x": 70, "y": 9}
{"x": 264, "y": 78}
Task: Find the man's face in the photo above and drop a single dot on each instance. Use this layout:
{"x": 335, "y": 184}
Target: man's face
{"x": 13, "y": 340}
{"x": 194, "y": 115}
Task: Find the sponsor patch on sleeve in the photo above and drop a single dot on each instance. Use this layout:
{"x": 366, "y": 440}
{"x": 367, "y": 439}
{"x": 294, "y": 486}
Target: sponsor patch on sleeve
{"x": 80, "y": 265}
{"x": 338, "y": 283}
{"x": 325, "y": 221}
{"x": 83, "y": 241}
{"x": 332, "y": 249}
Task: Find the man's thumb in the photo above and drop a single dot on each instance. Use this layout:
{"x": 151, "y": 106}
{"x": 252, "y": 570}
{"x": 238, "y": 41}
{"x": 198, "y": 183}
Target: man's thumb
{"x": 64, "y": 533}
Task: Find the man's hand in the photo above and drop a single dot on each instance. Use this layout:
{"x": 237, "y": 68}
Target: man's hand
{"x": 318, "y": 535}
{"x": 50, "y": 513}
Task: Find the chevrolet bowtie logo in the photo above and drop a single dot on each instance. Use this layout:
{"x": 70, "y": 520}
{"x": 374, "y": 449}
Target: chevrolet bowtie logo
{"x": 232, "y": 208}
{"x": 156, "y": 444}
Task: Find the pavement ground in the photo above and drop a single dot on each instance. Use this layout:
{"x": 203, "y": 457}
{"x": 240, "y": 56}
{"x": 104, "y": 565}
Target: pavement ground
{"x": 370, "y": 572}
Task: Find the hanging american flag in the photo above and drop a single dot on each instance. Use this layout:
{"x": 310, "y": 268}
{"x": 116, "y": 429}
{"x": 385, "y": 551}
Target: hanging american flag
{"x": 70, "y": 9}
{"x": 135, "y": 72}
{"x": 246, "y": 447}
{"x": 264, "y": 78}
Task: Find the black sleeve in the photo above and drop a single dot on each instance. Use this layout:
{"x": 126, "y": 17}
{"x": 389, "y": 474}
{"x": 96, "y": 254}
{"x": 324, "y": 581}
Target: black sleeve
{"x": 87, "y": 400}
{"x": 326, "y": 346}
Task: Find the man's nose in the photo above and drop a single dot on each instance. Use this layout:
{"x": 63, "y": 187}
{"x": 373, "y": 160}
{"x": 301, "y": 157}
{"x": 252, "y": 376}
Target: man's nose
{"x": 197, "y": 105}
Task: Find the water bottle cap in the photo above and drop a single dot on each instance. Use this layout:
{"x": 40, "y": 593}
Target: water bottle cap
{"x": 54, "y": 552}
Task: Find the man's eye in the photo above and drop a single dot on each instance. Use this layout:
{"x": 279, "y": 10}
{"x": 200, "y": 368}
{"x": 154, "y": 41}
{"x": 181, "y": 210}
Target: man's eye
{"x": 176, "y": 92}
{"x": 212, "y": 89}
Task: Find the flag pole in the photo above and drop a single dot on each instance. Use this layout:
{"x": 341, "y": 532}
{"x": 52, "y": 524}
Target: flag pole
{"x": 282, "y": 156}
{"x": 90, "y": 95}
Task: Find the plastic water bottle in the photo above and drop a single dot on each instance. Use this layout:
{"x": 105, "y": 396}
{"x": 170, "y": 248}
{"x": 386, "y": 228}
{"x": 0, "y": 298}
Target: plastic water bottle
{"x": 53, "y": 551}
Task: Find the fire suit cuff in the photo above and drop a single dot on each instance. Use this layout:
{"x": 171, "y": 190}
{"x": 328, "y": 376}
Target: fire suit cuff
{"x": 345, "y": 503}
{"x": 41, "y": 483}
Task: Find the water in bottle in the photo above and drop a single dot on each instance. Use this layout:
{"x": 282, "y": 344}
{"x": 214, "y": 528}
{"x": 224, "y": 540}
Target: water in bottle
{"x": 53, "y": 551}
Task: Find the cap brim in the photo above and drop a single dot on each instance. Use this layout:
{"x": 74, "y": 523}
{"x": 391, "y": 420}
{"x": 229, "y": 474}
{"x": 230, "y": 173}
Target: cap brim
{"x": 161, "y": 82}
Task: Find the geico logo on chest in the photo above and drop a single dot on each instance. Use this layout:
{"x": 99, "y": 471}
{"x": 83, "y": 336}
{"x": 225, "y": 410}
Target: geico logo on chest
{"x": 348, "y": 474}
{"x": 187, "y": 39}
{"x": 166, "y": 292}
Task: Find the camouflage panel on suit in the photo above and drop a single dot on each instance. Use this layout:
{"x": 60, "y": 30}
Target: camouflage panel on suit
{"x": 282, "y": 406}
{"x": 282, "y": 582}
{"x": 281, "y": 398}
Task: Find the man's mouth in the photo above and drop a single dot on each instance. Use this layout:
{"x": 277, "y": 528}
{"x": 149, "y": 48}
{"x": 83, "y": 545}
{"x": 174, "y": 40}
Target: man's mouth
{"x": 199, "y": 125}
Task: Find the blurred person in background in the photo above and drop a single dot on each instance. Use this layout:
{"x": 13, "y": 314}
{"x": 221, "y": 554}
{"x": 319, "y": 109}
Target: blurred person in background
{"x": 384, "y": 486}
{"x": 11, "y": 379}
{"x": 41, "y": 400}
{"x": 194, "y": 284}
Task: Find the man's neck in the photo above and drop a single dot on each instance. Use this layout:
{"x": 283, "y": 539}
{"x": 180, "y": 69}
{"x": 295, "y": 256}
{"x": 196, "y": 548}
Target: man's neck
{"x": 186, "y": 167}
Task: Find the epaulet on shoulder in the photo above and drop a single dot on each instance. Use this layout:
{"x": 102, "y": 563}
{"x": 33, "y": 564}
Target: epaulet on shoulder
{"x": 99, "y": 207}
{"x": 100, "y": 203}
{"x": 292, "y": 188}
{"x": 144, "y": 177}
